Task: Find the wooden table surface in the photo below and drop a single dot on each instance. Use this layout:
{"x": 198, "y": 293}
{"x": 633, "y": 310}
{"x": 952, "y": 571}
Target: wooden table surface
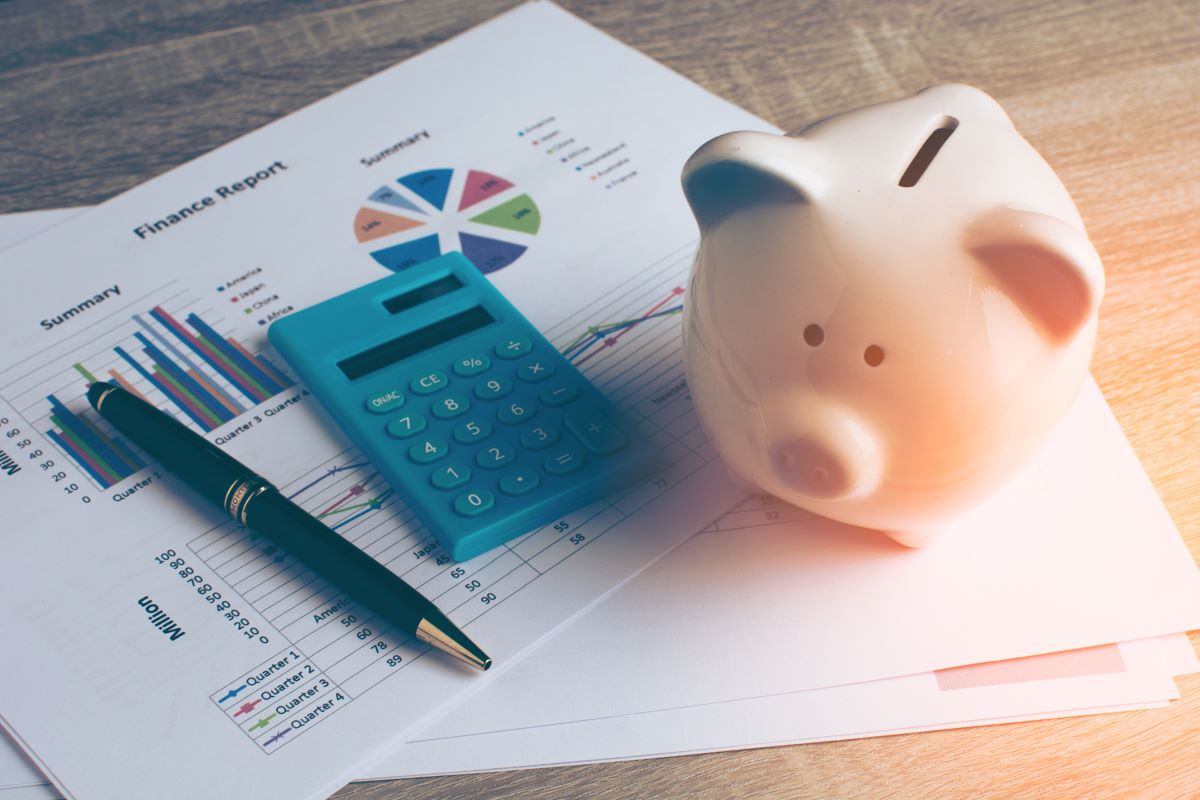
{"x": 97, "y": 96}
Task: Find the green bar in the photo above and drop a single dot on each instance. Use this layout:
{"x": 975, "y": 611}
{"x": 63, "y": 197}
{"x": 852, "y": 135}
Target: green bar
{"x": 87, "y": 376}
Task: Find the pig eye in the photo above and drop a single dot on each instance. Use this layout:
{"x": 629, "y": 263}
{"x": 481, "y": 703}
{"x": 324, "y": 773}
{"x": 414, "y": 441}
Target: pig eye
{"x": 814, "y": 335}
{"x": 873, "y": 355}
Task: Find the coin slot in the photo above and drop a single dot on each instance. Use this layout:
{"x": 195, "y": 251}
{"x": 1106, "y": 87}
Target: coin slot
{"x": 929, "y": 150}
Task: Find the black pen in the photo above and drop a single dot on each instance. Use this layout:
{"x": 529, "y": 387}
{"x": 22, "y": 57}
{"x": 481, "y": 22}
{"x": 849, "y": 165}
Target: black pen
{"x": 255, "y": 503}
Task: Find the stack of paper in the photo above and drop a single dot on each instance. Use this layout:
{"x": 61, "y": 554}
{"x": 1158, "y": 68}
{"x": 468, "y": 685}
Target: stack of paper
{"x": 767, "y": 626}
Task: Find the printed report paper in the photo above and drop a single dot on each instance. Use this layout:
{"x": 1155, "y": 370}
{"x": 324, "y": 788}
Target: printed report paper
{"x": 1108, "y": 677}
{"x": 186, "y": 643}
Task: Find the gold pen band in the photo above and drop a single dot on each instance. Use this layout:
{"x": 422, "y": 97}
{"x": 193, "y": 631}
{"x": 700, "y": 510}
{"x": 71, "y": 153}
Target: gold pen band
{"x": 100, "y": 398}
{"x": 240, "y": 493}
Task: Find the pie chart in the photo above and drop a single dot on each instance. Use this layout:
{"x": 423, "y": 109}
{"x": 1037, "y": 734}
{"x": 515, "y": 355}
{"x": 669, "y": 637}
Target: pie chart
{"x": 423, "y": 214}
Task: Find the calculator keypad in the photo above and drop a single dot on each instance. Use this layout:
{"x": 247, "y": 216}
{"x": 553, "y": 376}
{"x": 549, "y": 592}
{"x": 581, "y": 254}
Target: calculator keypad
{"x": 496, "y": 425}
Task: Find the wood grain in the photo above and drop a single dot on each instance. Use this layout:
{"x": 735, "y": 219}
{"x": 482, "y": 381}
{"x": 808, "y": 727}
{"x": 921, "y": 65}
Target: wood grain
{"x": 99, "y": 95}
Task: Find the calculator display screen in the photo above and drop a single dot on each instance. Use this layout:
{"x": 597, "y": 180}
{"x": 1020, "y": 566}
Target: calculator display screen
{"x": 420, "y": 340}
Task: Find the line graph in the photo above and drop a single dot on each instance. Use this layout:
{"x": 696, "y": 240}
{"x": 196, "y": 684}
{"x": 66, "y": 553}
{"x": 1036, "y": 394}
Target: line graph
{"x": 596, "y": 338}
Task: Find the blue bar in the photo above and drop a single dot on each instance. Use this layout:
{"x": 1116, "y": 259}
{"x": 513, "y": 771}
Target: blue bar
{"x": 204, "y": 424}
{"x": 216, "y": 365}
{"x": 233, "y": 355}
{"x": 276, "y": 372}
{"x": 132, "y": 456}
{"x": 69, "y": 450}
{"x": 101, "y": 448}
{"x": 132, "y": 463}
{"x": 170, "y": 348}
{"x": 199, "y": 392}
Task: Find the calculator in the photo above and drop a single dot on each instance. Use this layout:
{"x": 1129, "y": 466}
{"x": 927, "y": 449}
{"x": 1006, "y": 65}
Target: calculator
{"x": 477, "y": 421}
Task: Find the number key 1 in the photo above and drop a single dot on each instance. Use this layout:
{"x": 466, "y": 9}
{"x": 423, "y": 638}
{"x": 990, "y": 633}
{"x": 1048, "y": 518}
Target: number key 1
{"x": 450, "y": 476}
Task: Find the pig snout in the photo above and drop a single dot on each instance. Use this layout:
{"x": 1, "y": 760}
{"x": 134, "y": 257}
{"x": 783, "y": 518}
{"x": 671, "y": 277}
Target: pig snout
{"x": 835, "y": 458}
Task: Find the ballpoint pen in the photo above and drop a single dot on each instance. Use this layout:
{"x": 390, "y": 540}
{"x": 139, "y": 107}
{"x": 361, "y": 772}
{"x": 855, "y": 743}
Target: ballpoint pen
{"x": 253, "y": 502}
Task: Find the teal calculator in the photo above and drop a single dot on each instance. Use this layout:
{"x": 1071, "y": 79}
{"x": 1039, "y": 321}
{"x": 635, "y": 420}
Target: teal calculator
{"x": 477, "y": 421}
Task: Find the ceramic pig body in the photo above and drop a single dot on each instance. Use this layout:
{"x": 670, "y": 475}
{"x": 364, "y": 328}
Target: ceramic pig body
{"x": 889, "y": 311}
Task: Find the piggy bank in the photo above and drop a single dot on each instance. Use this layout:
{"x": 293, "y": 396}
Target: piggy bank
{"x": 889, "y": 310}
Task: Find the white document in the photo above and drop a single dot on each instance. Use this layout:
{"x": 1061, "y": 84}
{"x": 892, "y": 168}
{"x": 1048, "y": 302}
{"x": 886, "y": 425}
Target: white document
{"x": 754, "y": 557}
{"x": 1088, "y": 681}
{"x": 1094, "y": 680}
{"x": 794, "y": 602}
{"x": 180, "y": 643}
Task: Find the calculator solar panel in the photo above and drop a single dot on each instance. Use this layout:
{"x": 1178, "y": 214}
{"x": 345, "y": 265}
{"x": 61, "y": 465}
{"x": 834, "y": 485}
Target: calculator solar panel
{"x": 477, "y": 421}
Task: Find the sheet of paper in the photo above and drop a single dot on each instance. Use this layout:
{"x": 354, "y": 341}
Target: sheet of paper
{"x": 1130, "y": 675}
{"x": 732, "y": 724}
{"x": 184, "y": 640}
{"x": 1066, "y": 554}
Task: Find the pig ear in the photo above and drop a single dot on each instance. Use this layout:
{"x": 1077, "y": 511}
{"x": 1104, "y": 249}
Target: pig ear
{"x": 748, "y": 168}
{"x": 1047, "y": 267}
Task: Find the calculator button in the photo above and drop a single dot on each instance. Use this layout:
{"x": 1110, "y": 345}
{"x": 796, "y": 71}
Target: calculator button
{"x": 450, "y": 407}
{"x": 596, "y": 431}
{"x": 428, "y": 449}
{"x": 471, "y": 365}
{"x": 384, "y": 402}
{"x": 519, "y": 482}
{"x": 534, "y": 371}
{"x": 563, "y": 460}
{"x": 474, "y": 502}
{"x": 514, "y": 413}
{"x": 494, "y": 457}
{"x": 559, "y": 393}
{"x": 513, "y": 347}
{"x": 428, "y": 383}
{"x": 450, "y": 476}
{"x": 472, "y": 430}
{"x": 408, "y": 425}
{"x": 539, "y": 437}
{"x": 492, "y": 388}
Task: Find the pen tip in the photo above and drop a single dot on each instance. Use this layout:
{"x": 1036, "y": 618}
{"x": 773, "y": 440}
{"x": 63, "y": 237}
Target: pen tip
{"x": 446, "y": 637}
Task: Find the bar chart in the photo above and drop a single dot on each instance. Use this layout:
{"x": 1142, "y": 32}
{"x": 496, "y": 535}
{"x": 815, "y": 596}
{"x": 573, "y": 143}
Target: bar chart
{"x": 176, "y": 361}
